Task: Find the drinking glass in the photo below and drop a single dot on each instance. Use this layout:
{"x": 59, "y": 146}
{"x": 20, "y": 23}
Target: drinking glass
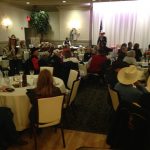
{"x": 7, "y": 81}
{"x": 6, "y": 73}
{"x": 31, "y": 73}
{"x": 21, "y": 72}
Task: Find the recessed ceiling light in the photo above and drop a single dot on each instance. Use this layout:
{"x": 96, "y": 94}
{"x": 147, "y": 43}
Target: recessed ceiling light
{"x": 93, "y": 0}
{"x": 27, "y": 3}
{"x": 64, "y": 1}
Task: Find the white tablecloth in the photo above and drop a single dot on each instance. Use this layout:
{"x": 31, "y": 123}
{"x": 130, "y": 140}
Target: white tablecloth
{"x": 20, "y": 104}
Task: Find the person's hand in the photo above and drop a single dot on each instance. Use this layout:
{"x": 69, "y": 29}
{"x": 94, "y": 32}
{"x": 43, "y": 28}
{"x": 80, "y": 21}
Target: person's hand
{"x": 137, "y": 83}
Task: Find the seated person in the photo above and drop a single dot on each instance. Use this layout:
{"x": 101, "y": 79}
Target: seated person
{"x": 45, "y": 88}
{"x": 67, "y": 42}
{"x": 68, "y": 57}
{"x": 130, "y": 58}
{"x": 122, "y": 51}
{"x": 138, "y": 53}
{"x": 55, "y": 61}
{"x": 8, "y": 133}
{"x": 129, "y": 89}
{"x": 69, "y": 62}
{"x": 129, "y": 46}
{"x": 111, "y": 73}
{"x": 35, "y": 60}
{"x": 96, "y": 62}
{"x": 87, "y": 54}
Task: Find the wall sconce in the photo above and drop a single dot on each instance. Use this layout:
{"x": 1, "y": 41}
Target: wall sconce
{"x": 6, "y": 22}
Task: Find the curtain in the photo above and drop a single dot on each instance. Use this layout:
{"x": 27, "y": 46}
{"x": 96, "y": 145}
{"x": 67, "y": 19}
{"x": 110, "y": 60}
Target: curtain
{"x": 122, "y": 22}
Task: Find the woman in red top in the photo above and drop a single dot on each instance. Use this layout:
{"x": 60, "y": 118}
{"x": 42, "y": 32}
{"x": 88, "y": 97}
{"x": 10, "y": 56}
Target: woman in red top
{"x": 96, "y": 62}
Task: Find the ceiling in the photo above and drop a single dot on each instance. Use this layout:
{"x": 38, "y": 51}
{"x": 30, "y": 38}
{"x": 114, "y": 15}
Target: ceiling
{"x": 52, "y": 5}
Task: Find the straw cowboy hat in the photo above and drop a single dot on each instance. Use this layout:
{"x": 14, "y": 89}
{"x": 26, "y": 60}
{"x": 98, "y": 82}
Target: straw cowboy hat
{"x": 128, "y": 75}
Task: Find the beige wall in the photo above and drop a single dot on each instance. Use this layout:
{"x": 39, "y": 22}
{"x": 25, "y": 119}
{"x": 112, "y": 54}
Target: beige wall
{"x": 18, "y": 17}
{"x": 59, "y": 22}
{"x": 74, "y": 18}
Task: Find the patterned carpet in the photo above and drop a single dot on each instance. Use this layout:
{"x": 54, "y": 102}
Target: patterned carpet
{"x": 91, "y": 111}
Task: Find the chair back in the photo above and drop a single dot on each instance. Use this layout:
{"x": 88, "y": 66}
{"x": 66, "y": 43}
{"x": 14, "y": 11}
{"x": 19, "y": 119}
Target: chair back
{"x": 114, "y": 97}
{"x": 48, "y": 68}
{"x": 49, "y": 111}
{"x": 5, "y": 63}
{"x": 148, "y": 84}
{"x": 83, "y": 69}
{"x": 73, "y": 75}
{"x": 74, "y": 91}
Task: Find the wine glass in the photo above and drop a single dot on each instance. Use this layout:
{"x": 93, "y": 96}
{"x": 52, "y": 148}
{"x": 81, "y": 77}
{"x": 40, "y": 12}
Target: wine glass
{"x": 7, "y": 81}
{"x": 31, "y": 73}
{"x": 6, "y": 73}
{"x": 21, "y": 72}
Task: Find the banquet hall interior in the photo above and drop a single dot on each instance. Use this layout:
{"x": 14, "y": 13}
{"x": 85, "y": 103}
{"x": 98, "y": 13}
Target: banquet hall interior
{"x": 98, "y": 55}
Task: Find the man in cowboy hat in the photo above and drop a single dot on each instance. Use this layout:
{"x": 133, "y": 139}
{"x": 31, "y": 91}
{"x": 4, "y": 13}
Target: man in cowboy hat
{"x": 102, "y": 40}
{"x": 101, "y": 43}
{"x": 128, "y": 87}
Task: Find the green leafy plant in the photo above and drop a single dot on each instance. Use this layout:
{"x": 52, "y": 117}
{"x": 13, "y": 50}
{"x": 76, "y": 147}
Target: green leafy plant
{"x": 40, "y": 22}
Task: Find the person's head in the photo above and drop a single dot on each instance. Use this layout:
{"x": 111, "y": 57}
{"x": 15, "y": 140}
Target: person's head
{"x": 129, "y": 44}
{"x": 124, "y": 47}
{"x": 67, "y": 39}
{"x": 56, "y": 52}
{"x": 131, "y": 53}
{"x": 102, "y": 33}
{"x": 136, "y": 46}
{"x": 13, "y": 36}
{"x": 128, "y": 75}
{"x": 67, "y": 54}
{"x": 44, "y": 83}
{"x": 34, "y": 51}
{"x": 149, "y": 46}
{"x": 117, "y": 65}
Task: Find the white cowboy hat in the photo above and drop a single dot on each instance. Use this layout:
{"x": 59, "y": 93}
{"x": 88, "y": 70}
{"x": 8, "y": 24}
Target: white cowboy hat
{"x": 128, "y": 75}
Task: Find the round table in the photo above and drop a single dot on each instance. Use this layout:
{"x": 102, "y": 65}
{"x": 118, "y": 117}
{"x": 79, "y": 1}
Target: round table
{"x": 19, "y": 102}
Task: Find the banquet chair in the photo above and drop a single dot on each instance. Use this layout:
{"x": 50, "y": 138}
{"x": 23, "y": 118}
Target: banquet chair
{"x": 48, "y": 68}
{"x": 49, "y": 111}
{"x": 72, "y": 95}
{"x": 148, "y": 84}
{"x": 73, "y": 75}
{"x": 114, "y": 97}
{"x": 83, "y": 70}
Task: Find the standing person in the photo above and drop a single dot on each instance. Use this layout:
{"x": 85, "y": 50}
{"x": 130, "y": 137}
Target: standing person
{"x": 45, "y": 88}
{"x": 35, "y": 60}
{"x": 67, "y": 42}
{"x": 101, "y": 43}
{"x": 102, "y": 40}
{"x": 15, "y": 55}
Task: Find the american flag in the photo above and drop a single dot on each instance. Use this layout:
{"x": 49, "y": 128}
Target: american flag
{"x": 101, "y": 26}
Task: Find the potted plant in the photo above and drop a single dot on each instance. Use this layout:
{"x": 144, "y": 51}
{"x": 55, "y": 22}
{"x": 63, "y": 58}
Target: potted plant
{"x": 40, "y": 22}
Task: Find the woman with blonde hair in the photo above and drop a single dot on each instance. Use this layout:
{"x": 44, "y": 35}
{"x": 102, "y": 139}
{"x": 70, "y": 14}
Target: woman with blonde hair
{"x": 45, "y": 88}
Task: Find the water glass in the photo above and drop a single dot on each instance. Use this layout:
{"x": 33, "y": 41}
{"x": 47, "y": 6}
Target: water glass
{"x": 31, "y": 72}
